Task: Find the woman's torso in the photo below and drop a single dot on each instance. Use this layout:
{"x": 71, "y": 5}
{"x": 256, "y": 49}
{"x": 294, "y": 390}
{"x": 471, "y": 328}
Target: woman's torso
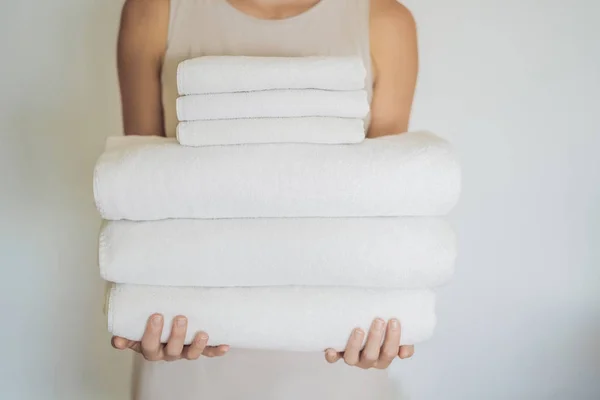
{"x": 214, "y": 27}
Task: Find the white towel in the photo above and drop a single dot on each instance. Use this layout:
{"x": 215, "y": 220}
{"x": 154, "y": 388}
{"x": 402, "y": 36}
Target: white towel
{"x": 223, "y": 74}
{"x": 273, "y": 104}
{"x": 151, "y": 178}
{"x": 407, "y": 253}
{"x": 323, "y": 130}
{"x": 291, "y": 318}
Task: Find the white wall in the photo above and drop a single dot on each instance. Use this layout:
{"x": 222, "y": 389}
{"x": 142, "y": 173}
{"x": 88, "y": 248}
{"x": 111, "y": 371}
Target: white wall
{"x": 58, "y": 100}
{"x": 514, "y": 84}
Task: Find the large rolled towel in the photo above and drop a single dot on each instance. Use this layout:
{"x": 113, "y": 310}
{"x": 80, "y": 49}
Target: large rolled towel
{"x": 152, "y": 178}
{"x": 223, "y": 74}
{"x": 404, "y": 252}
{"x": 273, "y": 104}
{"x": 291, "y": 318}
{"x": 322, "y": 130}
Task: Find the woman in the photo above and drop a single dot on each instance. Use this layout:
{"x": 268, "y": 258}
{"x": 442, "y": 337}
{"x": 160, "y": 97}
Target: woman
{"x": 155, "y": 36}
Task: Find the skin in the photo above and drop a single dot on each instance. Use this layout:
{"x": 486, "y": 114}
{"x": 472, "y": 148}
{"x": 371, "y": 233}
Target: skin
{"x": 141, "y": 48}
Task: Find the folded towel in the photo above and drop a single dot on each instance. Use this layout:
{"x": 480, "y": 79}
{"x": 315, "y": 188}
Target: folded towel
{"x": 295, "y": 319}
{"x": 408, "y": 253}
{"x": 323, "y": 130}
{"x": 151, "y": 178}
{"x": 273, "y": 104}
{"x": 223, "y": 74}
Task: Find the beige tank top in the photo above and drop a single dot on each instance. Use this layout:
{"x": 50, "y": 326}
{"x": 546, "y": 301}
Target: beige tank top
{"x": 214, "y": 27}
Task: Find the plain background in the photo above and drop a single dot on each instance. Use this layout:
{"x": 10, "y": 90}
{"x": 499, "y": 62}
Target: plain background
{"x": 514, "y": 84}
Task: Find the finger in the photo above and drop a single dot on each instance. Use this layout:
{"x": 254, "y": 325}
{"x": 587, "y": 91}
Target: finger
{"x": 216, "y": 351}
{"x": 406, "y": 352}
{"x": 174, "y": 346}
{"x": 370, "y": 353}
{"x": 194, "y": 351}
{"x": 135, "y": 346}
{"x": 210, "y": 351}
{"x": 151, "y": 347}
{"x": 352, "y": 352}
{"x": 332, "y": 356}
{"x": 119, "y": 343}
{"x": 391, "y": 345}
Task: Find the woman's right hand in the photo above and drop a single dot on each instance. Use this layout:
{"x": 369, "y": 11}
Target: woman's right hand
{"x": 153, "y": 350}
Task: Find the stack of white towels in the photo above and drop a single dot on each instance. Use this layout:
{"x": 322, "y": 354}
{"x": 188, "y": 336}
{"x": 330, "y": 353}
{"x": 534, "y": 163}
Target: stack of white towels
{"x": 243, "y": 100}
{"x": 271, "y": 222}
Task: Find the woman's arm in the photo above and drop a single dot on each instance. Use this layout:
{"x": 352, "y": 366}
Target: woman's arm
{"x": 396, "y": 63}
{"x": 141, "y": 47}
{"x": 140, "y": 51}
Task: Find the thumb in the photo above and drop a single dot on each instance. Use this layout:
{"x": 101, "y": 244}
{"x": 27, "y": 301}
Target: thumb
{"x": 332, "y": 356}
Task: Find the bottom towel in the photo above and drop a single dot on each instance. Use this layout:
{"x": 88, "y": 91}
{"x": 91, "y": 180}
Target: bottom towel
{"x": 287, "y": 318}
{"x": 318, "y": 130}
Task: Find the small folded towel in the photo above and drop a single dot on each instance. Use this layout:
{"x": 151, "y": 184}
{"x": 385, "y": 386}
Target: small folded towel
{"x": 289, "y": 318}
{"x": 320, "y": 130}
{"x": 224, "y": 74}
{"x": 273, "y": 104}
{"x": 401, "y": 253}
{"x": 152, "y": 178}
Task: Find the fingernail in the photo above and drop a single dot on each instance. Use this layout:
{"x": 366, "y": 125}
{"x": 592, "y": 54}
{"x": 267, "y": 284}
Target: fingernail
{"x": 203, "y": 336}
{"x": 394, "y": 324}
{"x": 156, "y": 320}
{"x": 358, "y": 333}
{"x": 181, "y": 322}
{"x": 379, "y": 324}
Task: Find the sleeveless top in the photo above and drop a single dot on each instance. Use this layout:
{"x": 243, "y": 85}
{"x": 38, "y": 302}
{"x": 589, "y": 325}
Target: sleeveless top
{"x": 215, "y": 27}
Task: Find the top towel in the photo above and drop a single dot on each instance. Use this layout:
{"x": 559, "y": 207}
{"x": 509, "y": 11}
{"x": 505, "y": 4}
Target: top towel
{"x": 227, "y": 74}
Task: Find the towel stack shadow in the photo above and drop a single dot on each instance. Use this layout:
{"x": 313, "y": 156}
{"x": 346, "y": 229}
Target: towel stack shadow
{"x": 270, "y": 221}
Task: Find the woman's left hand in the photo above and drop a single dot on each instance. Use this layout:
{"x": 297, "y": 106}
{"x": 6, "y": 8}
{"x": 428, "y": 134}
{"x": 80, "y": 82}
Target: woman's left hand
{"x": 373, "y": 354}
